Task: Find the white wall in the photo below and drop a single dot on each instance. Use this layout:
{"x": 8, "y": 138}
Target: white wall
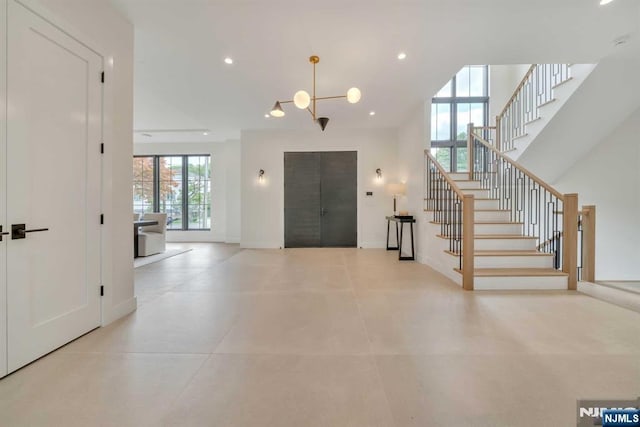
{"x": 233, "y": 191}
{"x": 413, "y": 139}
{"x": 503, "y": 80}
{"x": 225, "y": 195}
{"x": 98, "y": 25}
{"x": 263, "y": 204}
{"x": 609, "y": 177}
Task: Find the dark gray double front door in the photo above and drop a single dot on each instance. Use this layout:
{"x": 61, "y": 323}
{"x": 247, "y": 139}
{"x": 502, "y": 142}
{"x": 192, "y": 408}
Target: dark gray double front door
{"x": 320, "y": 204}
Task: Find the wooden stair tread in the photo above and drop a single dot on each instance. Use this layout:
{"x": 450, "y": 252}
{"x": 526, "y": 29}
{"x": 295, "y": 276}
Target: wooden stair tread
{"x": 506, "y": 252}
{"x": 515, "y": 272}
{"x": 477, "y": 210}
{"x": 475, "y": 198}
{"x": 484, "y": 222}
{"x": 495, "y": 236}
{"x": 503, "y": 236}
{"x": 514, "y": 252}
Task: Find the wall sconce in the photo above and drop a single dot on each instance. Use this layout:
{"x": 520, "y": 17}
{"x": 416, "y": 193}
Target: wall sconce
{"x": 261, "y": 175}
{"x": 379, "y": 174}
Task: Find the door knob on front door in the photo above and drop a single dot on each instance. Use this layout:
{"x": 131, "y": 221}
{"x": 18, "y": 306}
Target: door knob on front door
{"x": 3, "y": 233}
{"x": 19, "y": 231}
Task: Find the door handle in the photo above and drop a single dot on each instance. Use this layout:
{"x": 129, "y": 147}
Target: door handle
{"x": 3, "y": 233}
{"x": 19, "y": 231}
{"x": 323, "y": 211}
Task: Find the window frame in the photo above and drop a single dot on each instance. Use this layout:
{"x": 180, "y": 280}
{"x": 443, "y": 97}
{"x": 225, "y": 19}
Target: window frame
{"x": 453, "y": 143}
{"x": 184, "y": 187}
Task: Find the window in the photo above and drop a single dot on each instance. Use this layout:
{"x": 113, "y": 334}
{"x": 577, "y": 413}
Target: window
{"x": 143, "y": 184}
{"x": 179, "y": 186}
{"x": 463, "y": 100}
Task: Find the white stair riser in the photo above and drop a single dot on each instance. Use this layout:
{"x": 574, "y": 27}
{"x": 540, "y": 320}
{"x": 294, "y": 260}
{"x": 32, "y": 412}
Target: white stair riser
{"x": 498, "y": 228}
{"x": 520, "y": 283}
{"x": 513, "y": 261}
{"x": 489, "y": 216}
{"x": 477, "y": 192}
{"x": 465, "y": 185}
{"x": 486, "y": 204}
{"x": 504, "y": 244}
{"x": 459, "y": 175}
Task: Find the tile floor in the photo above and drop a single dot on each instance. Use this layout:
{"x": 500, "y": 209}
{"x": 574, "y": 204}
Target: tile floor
{"x": 329, "y": 337}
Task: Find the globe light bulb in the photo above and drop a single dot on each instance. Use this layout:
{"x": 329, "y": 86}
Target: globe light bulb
{"x": 353, "y": 95}
{"x": 301, "y": 99}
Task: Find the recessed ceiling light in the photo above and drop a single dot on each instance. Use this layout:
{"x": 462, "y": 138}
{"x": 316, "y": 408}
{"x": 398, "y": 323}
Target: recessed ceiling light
{"x": 403, "y": 55}
{"x": 205, "y": 133}
{"x": 372, "y": 113}
{"x": 266, "y": 116}
{"x": 603, "y": 2}
{"x": 228, "y": 60}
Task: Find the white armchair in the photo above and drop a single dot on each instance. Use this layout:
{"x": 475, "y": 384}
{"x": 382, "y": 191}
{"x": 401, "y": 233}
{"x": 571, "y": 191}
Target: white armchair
{"x": 136, "y": 216}
{"x": 152, "y": 238}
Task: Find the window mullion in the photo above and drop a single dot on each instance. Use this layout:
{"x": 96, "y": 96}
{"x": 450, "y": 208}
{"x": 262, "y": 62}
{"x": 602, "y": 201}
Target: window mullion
{"x": 156, "y": 183}
{"x": 185, "y": 194}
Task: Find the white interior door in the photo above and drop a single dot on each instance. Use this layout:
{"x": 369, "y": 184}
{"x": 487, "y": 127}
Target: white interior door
{"x": 53, "y": 182}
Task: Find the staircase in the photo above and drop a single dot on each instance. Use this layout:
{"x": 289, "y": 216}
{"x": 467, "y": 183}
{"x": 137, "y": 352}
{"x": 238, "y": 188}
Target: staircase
{"x": 504, "y": 257}
{"x": 499, "y": 227}
{"x": 541, "y": 94}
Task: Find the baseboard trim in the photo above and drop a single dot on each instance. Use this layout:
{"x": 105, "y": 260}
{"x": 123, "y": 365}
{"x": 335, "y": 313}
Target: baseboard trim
{"x": 110, "y": 315}
{"x": 373, "y": 245}
{"x": 624, "y": 299}
{"x": 260, "y": 245}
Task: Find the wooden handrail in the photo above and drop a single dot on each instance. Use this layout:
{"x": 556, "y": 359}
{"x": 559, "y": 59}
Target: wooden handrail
{"x": 467, "y": 257}
{"x": 515, "y": 93}
{"x": 444, "y": 173}
{"x": 518, "y": 166}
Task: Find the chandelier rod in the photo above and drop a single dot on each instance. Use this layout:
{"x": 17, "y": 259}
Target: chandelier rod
{"x": 314, "y": 62}
{"x": 320, "y": 98}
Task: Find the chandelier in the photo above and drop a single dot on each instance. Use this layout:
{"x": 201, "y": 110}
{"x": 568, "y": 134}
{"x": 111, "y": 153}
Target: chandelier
{"x": 304, "y": 101}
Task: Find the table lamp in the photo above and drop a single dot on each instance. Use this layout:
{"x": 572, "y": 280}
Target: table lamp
{"x": 396, "y": 189}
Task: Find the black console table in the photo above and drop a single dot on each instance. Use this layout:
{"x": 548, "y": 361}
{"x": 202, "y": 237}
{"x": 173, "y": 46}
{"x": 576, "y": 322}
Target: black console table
{"x": 401, "y": 220}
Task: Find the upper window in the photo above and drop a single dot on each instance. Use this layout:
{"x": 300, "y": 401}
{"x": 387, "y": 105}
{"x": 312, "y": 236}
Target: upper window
{"x": 463, "y": 100}
{"x": 179, "y": 186}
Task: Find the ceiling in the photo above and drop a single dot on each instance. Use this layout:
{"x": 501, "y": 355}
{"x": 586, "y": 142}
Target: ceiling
{"x": 183, "y": 87}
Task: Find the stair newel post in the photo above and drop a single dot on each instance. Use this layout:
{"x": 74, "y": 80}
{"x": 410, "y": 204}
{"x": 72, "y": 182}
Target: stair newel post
{"x": 470, "y": 152}
{"x": 570, "y": 237}
{"x": 468, "y": 236}
{"x": 589, "y": 243}
{"x": 498, "y": 126}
